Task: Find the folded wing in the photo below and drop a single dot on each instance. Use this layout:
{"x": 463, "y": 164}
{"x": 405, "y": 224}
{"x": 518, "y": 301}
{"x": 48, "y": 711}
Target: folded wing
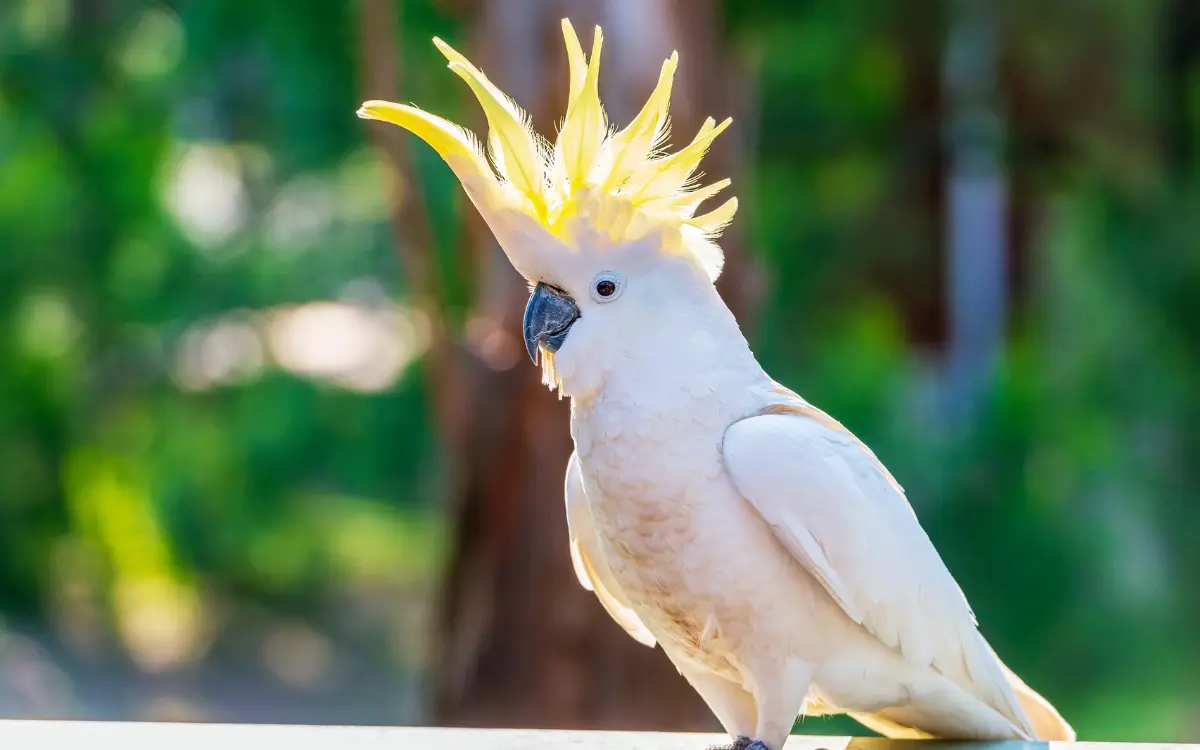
{"x": 843, "y": 517}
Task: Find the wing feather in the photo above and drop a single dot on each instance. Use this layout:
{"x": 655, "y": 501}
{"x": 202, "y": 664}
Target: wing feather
{"x": 845, "y": 519}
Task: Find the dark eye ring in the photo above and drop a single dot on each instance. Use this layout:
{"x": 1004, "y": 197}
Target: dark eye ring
{"x": 607, "y": 286}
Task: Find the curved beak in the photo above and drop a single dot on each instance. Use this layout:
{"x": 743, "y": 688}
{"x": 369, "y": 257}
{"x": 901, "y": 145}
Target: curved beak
{"x": 548, "y": 318}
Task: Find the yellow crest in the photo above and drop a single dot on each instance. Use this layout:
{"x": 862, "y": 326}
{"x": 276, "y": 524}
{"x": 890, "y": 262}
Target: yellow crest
{"x": 616, "y": 185}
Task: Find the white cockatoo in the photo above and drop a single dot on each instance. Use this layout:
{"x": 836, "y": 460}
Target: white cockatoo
{"x": 711, "y": 510}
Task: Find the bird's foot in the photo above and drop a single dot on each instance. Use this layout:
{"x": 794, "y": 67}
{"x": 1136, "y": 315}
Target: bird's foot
{"x": 742, "y": 743}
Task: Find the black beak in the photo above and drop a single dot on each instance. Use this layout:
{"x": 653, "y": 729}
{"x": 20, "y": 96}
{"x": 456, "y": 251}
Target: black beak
{"x": 548, "y": 317}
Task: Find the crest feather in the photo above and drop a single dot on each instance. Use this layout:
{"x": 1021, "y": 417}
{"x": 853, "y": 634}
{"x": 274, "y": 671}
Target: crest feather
{"x": 576, "y": 63}
{"x": 586, "y": 126}
{"x": 686, "y": 204}
{"x": 713, "y": 222}
{"x": 456, "y": 145}
{"x": 669, "y": 175}
{"x": 592, "y": 182}
{"x": 511, "y": 136}
{"x": 633, "y": 145}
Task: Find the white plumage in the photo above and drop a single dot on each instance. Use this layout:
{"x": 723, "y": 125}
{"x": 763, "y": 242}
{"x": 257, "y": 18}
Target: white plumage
{"x": 714, "y": 513}
{"x": 768, "y": 551}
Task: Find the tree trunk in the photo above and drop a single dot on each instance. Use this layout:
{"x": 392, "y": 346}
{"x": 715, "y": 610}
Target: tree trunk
{"x": 522, "y": 644}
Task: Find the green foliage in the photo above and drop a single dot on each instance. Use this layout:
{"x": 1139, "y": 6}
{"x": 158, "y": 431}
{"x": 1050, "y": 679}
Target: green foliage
{"x": 176, "y": 181}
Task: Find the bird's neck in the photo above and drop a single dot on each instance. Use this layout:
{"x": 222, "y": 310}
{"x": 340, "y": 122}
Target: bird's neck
{"x": 691, "y": 367}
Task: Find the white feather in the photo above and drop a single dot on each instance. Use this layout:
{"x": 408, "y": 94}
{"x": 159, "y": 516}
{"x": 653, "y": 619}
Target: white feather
{"x": 588, "y": 559}
{"x": 757, "y": 541}
{"x": 810, "y": 481}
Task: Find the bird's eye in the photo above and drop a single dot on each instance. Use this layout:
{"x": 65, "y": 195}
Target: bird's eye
{"x": 607, "y": 286}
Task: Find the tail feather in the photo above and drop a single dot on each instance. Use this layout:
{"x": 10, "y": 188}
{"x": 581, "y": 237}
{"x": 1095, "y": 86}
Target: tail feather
{"x": 1047, "y": 722}
{"x": 911, "y": 722}
{"x": 890, "y": 729}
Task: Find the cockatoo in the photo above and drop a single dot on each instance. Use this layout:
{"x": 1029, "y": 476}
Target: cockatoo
{"x": 713, "y": 511}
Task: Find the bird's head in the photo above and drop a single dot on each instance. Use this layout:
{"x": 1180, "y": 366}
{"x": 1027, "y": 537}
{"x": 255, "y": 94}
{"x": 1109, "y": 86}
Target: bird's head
{"x": 602, "y": 224}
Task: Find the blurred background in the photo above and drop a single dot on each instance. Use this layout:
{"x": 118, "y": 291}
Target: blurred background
{"x": 270, "y": 449}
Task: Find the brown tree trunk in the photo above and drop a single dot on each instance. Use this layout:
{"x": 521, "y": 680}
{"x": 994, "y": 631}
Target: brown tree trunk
{"x": 522, "y": 644}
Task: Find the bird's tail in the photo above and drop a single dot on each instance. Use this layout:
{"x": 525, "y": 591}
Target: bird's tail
{"x": 890, "y": 729}
{"x": 1047, "y": 721}
{"x": 1048, "y": 724}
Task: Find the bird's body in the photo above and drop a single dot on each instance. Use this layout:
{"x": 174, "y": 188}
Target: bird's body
{"x": 663, "y": 525}
{"x": 705, "y": 575}
{"x": 711, "y": 510}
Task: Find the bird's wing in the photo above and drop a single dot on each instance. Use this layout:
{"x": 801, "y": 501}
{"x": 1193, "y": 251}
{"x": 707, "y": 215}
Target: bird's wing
{"x": 841, "y": 515}
{"x": 588, "y": 558}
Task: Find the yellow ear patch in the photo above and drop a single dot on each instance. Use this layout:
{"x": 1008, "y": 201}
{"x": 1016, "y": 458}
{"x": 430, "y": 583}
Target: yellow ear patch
{"x": 590, "y": 172}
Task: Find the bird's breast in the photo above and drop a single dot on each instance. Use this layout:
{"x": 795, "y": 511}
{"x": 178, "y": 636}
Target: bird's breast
{"x": 667, "y": 517}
